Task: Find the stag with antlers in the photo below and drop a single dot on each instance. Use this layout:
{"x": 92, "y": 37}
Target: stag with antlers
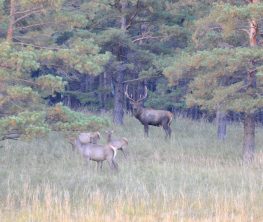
{"x": 149, "y": 116}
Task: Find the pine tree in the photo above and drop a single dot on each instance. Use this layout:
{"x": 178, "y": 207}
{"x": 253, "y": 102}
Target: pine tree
{"x": 29, "y": 45}
{"x": 238, "y": 64}
{"x": 136, "y": 33}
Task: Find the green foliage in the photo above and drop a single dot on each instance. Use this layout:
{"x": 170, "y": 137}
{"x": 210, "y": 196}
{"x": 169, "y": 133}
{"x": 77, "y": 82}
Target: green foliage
{"x": 232, "y": 19}
{"x": 51, "y": 3}
{"x": 82, "y": 55}
{"x": 64, "y": 41}
{"x": 61, "y": 118}
{"x": 22, "y": 94}
{"x": 219, "y": 75}
{"x": 50, "y": 84}
{"x": 209, "y": 68}
{"x": 17, "y": 60}
{"x": 31, "y": 124}
{"x": 36, "y": 31}
{"x": 71, "y": 20}
{"x": 28, "y": 124}
{"x": 160, "y": 99}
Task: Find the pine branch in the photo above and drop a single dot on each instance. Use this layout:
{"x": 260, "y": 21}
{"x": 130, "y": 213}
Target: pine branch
{"x": 142, "y": 78}
{"x": 35, "y": 46}
{"x": 133, "y": 16}
{"x": 27, "y": 15}
{"x": 29, "y": 10}
{"x": 144, "y": 37}
{"x": 5, "y": 66}
{"x": 15, "y": 104}
{"x": 37, "y": 24}
{"x": 26, "y": 81}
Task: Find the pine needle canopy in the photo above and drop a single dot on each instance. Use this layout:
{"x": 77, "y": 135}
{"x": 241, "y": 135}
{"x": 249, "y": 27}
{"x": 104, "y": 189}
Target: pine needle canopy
{"x": 23, "y": 111}
{"x": 218, "y": 70}
{"x": 219, "y": 78}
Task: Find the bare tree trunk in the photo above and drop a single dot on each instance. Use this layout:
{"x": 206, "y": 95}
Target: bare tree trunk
{"x": 102, "y": 86}
{"x": 221, "y": 125}
{"x": 87, "y": 83}
{"x": 249, "y": 121}
{"x": 10, "y": 31}
{"x": 118, "y": 99}
{"x": 249, "y": 138}
{"x": 118, "y": 94}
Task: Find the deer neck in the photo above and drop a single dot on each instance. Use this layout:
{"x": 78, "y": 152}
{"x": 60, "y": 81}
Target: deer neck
{"x": 109, "y": 138}
{"x": 79, "y": 145}
{"x": 139, "y": 112}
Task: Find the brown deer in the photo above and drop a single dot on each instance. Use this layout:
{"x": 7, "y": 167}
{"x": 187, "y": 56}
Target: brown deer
{"x": 149, "y": 116}
{"x": 85, "y": 138}
{"x": 89, "y": 137}
{"x": 96, "y": 152}
{"x": 120, "y": 144}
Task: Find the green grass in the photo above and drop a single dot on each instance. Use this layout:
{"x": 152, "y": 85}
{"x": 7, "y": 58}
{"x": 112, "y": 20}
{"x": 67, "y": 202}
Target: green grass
{"x": 192, "y": 177}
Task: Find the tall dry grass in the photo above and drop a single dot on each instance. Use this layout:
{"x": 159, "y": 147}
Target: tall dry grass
{"x": 193, "y": 177}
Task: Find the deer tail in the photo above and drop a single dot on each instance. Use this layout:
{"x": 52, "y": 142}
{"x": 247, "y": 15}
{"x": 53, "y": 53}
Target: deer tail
{"x": 170, "y": 119}
{"x": 125, "y": 140}
{"x": 114, "y": 151}
{"x": 98, "y": 133}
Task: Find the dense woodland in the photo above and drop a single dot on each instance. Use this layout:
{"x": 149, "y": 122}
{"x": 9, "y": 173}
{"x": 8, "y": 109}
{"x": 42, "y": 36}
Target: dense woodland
{"x": 199, "y": 58}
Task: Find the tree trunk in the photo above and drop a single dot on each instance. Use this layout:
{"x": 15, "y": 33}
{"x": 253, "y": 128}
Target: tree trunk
{"x": 118, "y": 93}
{"x": 87, "y": 83}
{"x": 102, "y": 86}
{"x": 249, "y": 138}
{"x": 118, "y": 99}
{"x": 221, "y": 125}
{"x": 249, "y": 120}
{"x": 10, "y": 31}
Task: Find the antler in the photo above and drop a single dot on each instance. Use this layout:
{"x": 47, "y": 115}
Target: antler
{"x": 145, "y": 94}
{"x": 141, "y": 98}
{"x": 127, "y": 94}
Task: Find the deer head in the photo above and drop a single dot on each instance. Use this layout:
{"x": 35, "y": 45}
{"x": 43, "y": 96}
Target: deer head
{"x": 136, "y": 104}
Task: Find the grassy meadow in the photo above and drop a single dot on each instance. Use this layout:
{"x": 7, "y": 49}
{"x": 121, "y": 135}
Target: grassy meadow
{"x": 192, "y": 177}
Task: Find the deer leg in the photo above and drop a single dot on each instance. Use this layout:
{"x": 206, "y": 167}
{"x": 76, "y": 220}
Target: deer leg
{"x": 116, "y": 166}
{"x": 167, "y": 130}
{"x": 99, "y": 165}
{"x": 146, "y": 129}
{"x": 124, "y": 153}
{"x": 87, "y": 161}
{"x": 113, "y": 164}
{"x": 110, "y": 164}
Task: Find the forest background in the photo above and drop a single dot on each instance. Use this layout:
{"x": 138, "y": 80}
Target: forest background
{"x": 199, "y": 58}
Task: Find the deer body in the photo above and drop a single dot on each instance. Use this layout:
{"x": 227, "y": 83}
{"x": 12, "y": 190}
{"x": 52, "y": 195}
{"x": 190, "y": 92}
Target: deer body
{"x": 98, "y": 153}
{"x": 120, "y": 144}
{"x": 89, "y": 137}
{"x": 151, "y": 116}
{"x": 154, "y": 118}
